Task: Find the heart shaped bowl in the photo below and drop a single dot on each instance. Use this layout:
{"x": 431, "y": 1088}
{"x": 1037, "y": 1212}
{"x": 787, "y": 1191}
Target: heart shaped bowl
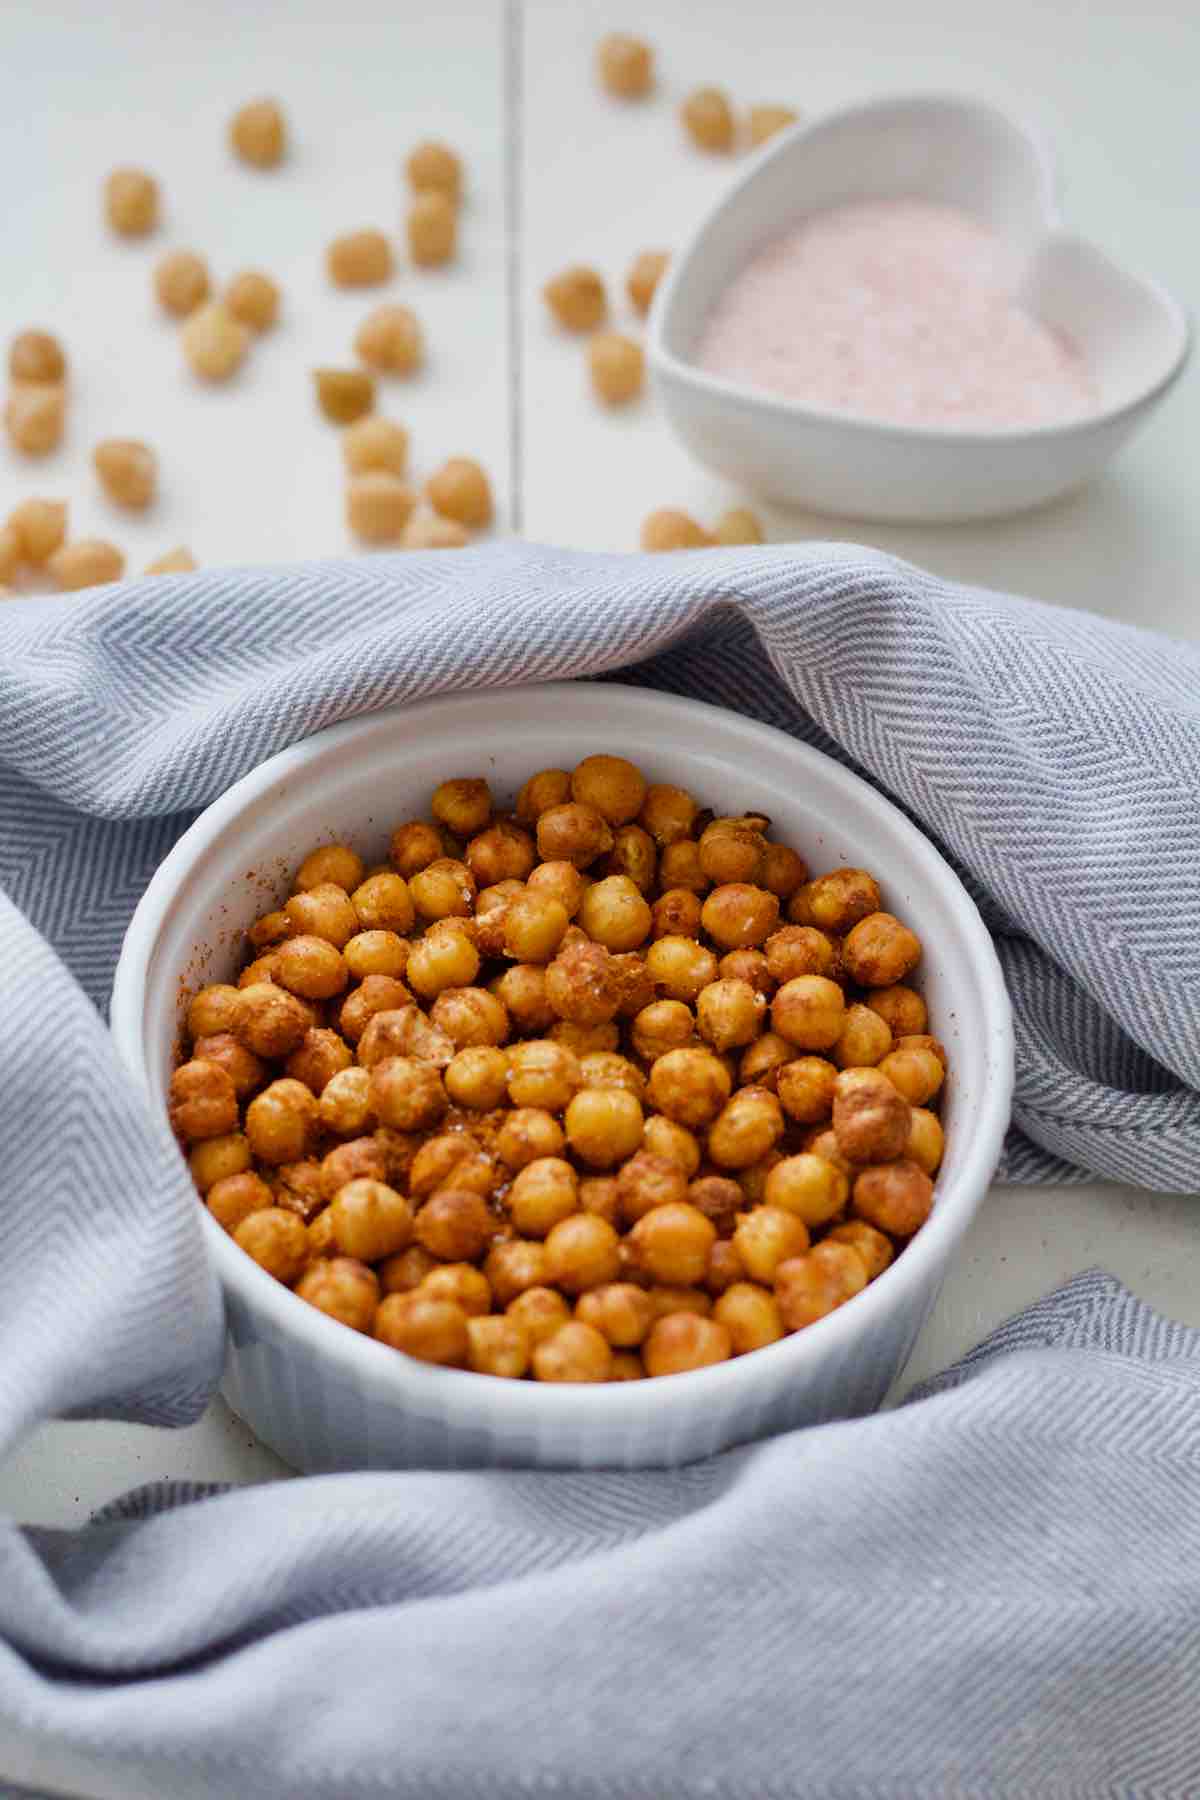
{"x": 953, "y": 151}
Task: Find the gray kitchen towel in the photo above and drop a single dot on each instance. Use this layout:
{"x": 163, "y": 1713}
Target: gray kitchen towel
{"x": 992, "y": 1590}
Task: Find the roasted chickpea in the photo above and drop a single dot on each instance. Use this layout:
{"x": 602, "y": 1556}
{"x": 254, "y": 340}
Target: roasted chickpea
{"x": 573, "y": 833}
{"x": 605, "y": 1069}
{"x": 37, "y": 356}
{"x": 625, "y": 66}
{"x": 676, "y": 914}
{"x": 598, "y": 1194}
{"x": 895, "y": 1197}
{"x": 667, "y": 813}
{"x": 311, "y": 967}
{"x": 452, "y": 1159}
{"x": 689, "y": 1085}
{"x": 432, "y": 228}
{"x": 268, "y": 1020}
{"x": 321, "y": 1241}
{"x": 455, "y": 1224}
{"x": 925, "y": 1140}
{"x": 370, "y": 1220}
{"x": 619, "y": 1310}
{"x": 871, "y": 1118}
{"x": 131, "y": 202}
{"x": 522, "y": 990}
{"x": 800, "y": 950}
{"x": 724, "y": 1266}
{"x": 414, "y": 845}
{"x": 864, "y": 1041}
{"x": 35, "y": 417}
{"x": 746, "y": 1128}
{"x": 708, "y": 119}
{"x": 681, "y": 1341}
{"x": 445, "y": 889}
{"x": 603, "y": 1126}
{"x": 648, "y": 1181}
{"x": 577, "y": 299}
{"x": 345, "y": 1103}
{"x": 534, "y": 926}
{"x": 841, "y": 898}
{"x": 581, "y": 984}
{"x": 477, "y": 1077}
{"x": 679, "y": 867}
{"x": 879, "y": 951}
{"x": 783, "y": 870}
{"x": 253, "y": 299}
{"x": 549, "y": 787}
{"x": 728, "y": 1013}
{"x": 214, "y": 1159}
{"x": 733, "y": 850}
{"x": 401, "y": 1273}
{"x": 470, "y": 1015}
{"x": 808, "y": 1186}
{"x": 753, "y": 1178}
{"x": 383, "y": 903}
{"x": 749, "y": 966}
{"x": 645, "y": 273}
{"x": 737, "y": 915}
{"x": 750, "y": 1315}
{"x": 527, "y": 1133}
{"x": 281, "y": 1121}
{"x": 343, "y": 1289}
{"x": 320, "y": 1056}
{"x": 276, "y": 1240}
{"x": 243, "y": 1068}
{"x": 763, "y": 1062}
{"x": 374, "y": 995}
{"x": 324, "y": 911}
{"x": 214, "y": 342}
{"x": 809, "y": 1011}
{"x": 921, "y": 1040}
{"x": 88, "y": 562}
{"x": 431, "y": 1330}
{"x": 128, "y": 471}
{"x": 406, "y": 1094}
{"x": 539, "y": 1311}
{"x": 463, "y": 805}
{"x": 335, "y": 865}
{"x": 213, "y": 1010}
{"x": 719, "y": 1199}
{"x": 874, "y": 1248}
{"x": 359, "y": 1159}
{"x": 377, "y": 953}
{"x": 672, "y": 1243}
{"x": 805, "y": 1087}
{"x": 582, "y": 1252}
{"x": 389, "y": 339}
{"x": 497, "y": 1346}
{"x": 300, "y": 1188}
{"x": 662, "y": 1026}
{"x": 235, "y": 1197}
{"x": 258, "y": 133}
{"x": 616, "y": 365}
{"x": 901, "y": 1009}
{"x": 611, "y": 786}
{"x": 633, "y": 854}
{"x": 917, "y": 1073}
{"x": 501, "y": 853}
{"x": 442, "y": 960}
{"x": 39, "y": 528}
{"x": 767, "y": 1237}
{"x": 615, "y": 913}
{"x": 663, "y": 1137}
{"x": 203, "y": 1101}
{"x": 680, "y": 967}
{"x": 583, "y": 1039}
{"x": 514, "y": 1268}
{"x": 666, "y": 1300}
{"x": 810, "y": 1286}
{"x": 575, "y": 1352}
{"x": 542, "y": 1074}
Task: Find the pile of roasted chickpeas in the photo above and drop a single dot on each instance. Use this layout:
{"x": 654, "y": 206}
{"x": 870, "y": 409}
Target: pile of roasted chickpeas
{"x": 597, "y": 1088}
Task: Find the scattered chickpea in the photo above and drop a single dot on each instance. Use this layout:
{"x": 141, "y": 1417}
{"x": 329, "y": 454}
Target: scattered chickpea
{"x": 131, "y": 202}
{"x": 625, "y": 66}
{"x": 253, "y": 299}
{"x": 40, "y": 528}
{"x": 577, "y": 298}
{"x": 325, "y": 911}
{"x": 258, "y": 133}
{"x": 378, "y": 506}
{"x": 763, "y": 122}
{"x": 739, "y": 526}
{"x": 128, "y": 471}
{"x": 359, "y": 259}
{"x": 35, "y": 417}
{"x": 88, "y": 562}
{"x": 181, "y": 282}
{"x": 645, "y": 273}
{"x": 669, "y": 529}
{"x": 344, "y": 395}
{"x": 37, "y": 357}
{"x": 460, "y": 491}
{"x": 708, "y": 119}
{"x": 175, "y": 562}
{"x": 616, "y": 366}
{"x": 214, "y": 342}
{"x": 432, "y": 165}
{"x": 432, "y": 228}
{"x": 389, "y": 339}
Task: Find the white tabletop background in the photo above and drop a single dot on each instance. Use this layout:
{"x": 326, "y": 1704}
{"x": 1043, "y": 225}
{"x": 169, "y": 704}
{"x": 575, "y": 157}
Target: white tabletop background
{"x": 556, "y": 173}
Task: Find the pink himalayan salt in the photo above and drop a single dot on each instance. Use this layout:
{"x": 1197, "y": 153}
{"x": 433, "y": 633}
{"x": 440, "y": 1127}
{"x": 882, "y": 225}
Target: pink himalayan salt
{"x": 896, "y": 310}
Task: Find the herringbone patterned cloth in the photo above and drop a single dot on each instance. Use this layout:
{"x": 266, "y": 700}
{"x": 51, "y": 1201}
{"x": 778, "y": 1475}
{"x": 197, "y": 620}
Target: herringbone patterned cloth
{"x": 991, "y": 1592}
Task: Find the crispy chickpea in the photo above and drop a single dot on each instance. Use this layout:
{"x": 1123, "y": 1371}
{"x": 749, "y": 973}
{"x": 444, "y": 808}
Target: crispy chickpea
{"x": 753, "y": 1178}
{"x": 808, "y": 1186}
{"x": 299, "y": 1187}
{"x": 406, "y": 1094}
{"x": 235, "y": 1197}
{"x": 633, "y": 854}
{"x": 865, "y": 1040}
{"x": 181, "y": 282}
{"x": 37, "y": 356}
{"x": 370, "y": 1220}
{"x": 343, "y": 1289}
{"x": 175, "y": 562}
{"x": 345, "y": 1102}
{"x": 389, "y": 339}
{"x": 921, "y": 1040}
{"x": 614, "y": 913}
{"x": 874, "y": 1248}
{"x": 276, "y": 1240}
{"x": 764, "y": 1060}
{"x": 666, "y": 1300}
{"x": 573, "y": 833}
{"x": 268, "y": 1020}
{"x": 871, "y": 1118}
{"x": 746, "y": 1128}
{"x": 733, "y": 849}
{"x": 672, "y": 1243}
{"x": 203, "y": 1101}
{"x": 679, "y": 867}
{"x": 676, "y": 913}
{"x": 311, "y": 967}
{"x": 131, "y": 202}
{"x": 739, "y": 526}
{"x": 805, "y": 1087}
{"x": 879, "y": 951}
{"x": 128, "y": 472}
{"x": 432, "y": 228}
{"x": 344, "y": 395}
{"x": 581, "y": 984}
{"x": 88, "y": 562}
{"x": 528, "y": 1132}
{"x": 708, "y": 119}
{"x": 378, "y": 506}
{"x": 800, "y": 950}
{"x": 645, "y": 272}
{"x": 331, "y": 864}
{"x": 460, "y": 490}
{"x": 515, "y": 1267}
{"x": 261, "y": 970}
{"x": 689, "y": 1085}
{"x": 901, "y": 1008}
{"x": 534, "y": 927}
{"x": 401, "y": 1273}
{"x": 281, "y": 1121}
{"x": 497, "y": 1346}
{"x": 680, "y": 967}
{"x": 766, "y": 1237}
{"x": 243, "y": 1068}
{"x": 681, "y": 1341}
{"x": 605, "y": 1069}
{"x": 895, "y": 1197}
{"x": 728, "y": 1013}
{"x": 668, "y": 813}
{"x": 542, "y": 1074}
{"x": 463, "y": 805}
{"x": 455, "y": 1224}
{"x": 598, "y": 1194}
{"x": 375, "y": 444}
{"x": 470, "y": 1015}
{"x": 431, "y": 1330}
{"x": 647, "y": 1181}
{"x": 320, "y": 1056}
{"x": 577, "y": 298}
{"x": 669, "y": 529}
{"x": 214, "y": 342}
{"x": 213, "y": 1159}
{"x": 809, "y": 1011}
{"x": 917, "y": 1073}
{"x": 35, "y": 417}
{"x": 258, "y": 133}
{"x": 374, "y": 995}
{"x": 522, "y": 991}
{"x": 926, "y": 1141}
{"x": 477, "y": 1077}
{"x": 452, "y": 1159}
{"x": 603, "y": 1126}
{"x": 414, "y": 846}
{"x": 324, "y": 911}
{"x": 634, "y": 986}
{"x": 582, "y": 1252}
{"x": 501, "y": 853}
{"x": 663, "y": 1137}
{"x": 321, "y": 1241}
{"x": 750, "y": 1315}
{"x": 440, "y": 961}
{"x": 359, "y": 259}
{"x": 783, "y": 871}
{"x": 724, "y": 1266}
{"x": 575, "y": 1352}
{"x": 619, "y": 1310}
{"x": 719, "y": 1198}
{"x": 842, "y": 898}
{"x": 810, "y": 1286}
{"x": 359, "y": 1159}
{"x": 253, "y": 299}
{"x": 750, "y": 966}
{"x": 625, "y": 66}
{"x": 738, "y": 915}
{"x": 616, "y": 366}
{"x": 583, "y": 1039}
{"x": 376, "y": 953}
{"x": 40, "y": 528}
{"x": 445, "y": 889}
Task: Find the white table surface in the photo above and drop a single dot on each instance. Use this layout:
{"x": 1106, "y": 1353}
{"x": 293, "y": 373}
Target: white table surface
{"x": 557, "y": 173}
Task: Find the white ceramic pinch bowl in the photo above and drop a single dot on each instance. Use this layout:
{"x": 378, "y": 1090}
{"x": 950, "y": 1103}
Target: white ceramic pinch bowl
{"x": 326, "y": 1397}
{"x": 957, "y": 152}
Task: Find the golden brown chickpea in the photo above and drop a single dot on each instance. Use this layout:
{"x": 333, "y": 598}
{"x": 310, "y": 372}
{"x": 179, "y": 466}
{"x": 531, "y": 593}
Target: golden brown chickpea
{"x": 281, "y": 1121}
{"x": 452, "y": 1159}
{"x": 921, "y": 1040}
{"x": 542, "y": 1074}
{"x": 917, "y": 1073}
{"x": 131, "y": 202}
{"x": 871, "y": 1118}
{"x": 214, "y": 342}
{"x": 432, "y": 165}
{"x": 598, "y": 1194}
{"x": 40, "y": 528}
{"x": 324, "y": 911}
{"x": 925, "y": 1140}
{"x": 708, "y": 119}
{"x": 805, "y": 1087}
{"x": 268, "y": 1020}
{"x": 528, "y": 1132}
{"x": 128, "y": 471}
{"x": 737, "y": 915}
{"x": 37, "y": 357}
{"x": 375, "y": 446}
{"x": 783, "y": 870}
{"x": 35, "y": 417}
{"x": 662, "y": 1026}
{"x": 746, "y": 1129}
{"x": 668, "y": 813}
{"x": 634, "y": 985}
{"x": 895, "y": 1197}
{"x": 497, "y": 1346}
{"x": 440, "y": 961}
{"x": 669, "y": 529}
{"x": 88, "y": 562}
{"x": 460, "y": 491}
{"x": 443, "y": 890}
{"x": 258, "y": 133}
{"x": 389, "y": 339}
{"x": 311, "y": 967}
{"x": 243, "y": 1068}
{"x": 534, "y": 926}
{"x": 253, "y": 299}
{"x": 345, "y": 1102}
{"x": 470, "y": 1015}
{"x": 269, "y": 930}
{"x": 321, "y": 1055}
{"x": 432, "y": 228}
{"x": 455, "y": 1224}
{"x": 276, "y": 1240}
{"x": 383, "y": 903}
{"x": 331, "y": 864}
{"x": 582, "y": 1252}
{"x": 625, "y": 66}
{"x": 620, "y": 1311}
{"x": 753, "y": 1178}
{"x": 477, "y": 1078}
{"x": 605, "y": 1069}
{"x": 174, "y": 562}
{"x": 549, "y": 787}
{"x": 603, "y": 1126}
{"x": 767, "y": 1237}
{"x": 663, "y": 1137}
{"x": 676, "y": 913}
{"x": 724, "y": 1267}
{"x": 750, "y": 1315}
{"x": 343, "y": 1289}
{"x": 321, "y": 1241}
{"x": 633, "y": 854}
{"x": 431, "y": 1330}
{"x": 575, "y": 1352}
{"x": 203, "y": 1101}
{"x": 864, "y": 1041}
{"x": 581, "y": 984}
{"x": 359, "y": 259}
{"x": 728, "y": 1013}
{"x": 739, "y": 526}
{"x": 214, "y": 1159}
{"x": 377, "y": 953}
{"x": 672, "y": 1243}
{"x": 874, "y": 1248}
{"x": 719, "y": 1199}
{"x": 538, "y": 1311}
{"x": 645, "y": 272}
{"x": 501, "y": 853}
{"x": 572, "y": 833}
{"x": 370, "y": 1220}
{"x": 808, "y": 1186}
{"x": 614, "y": 913}
{"x": 577, "y": 298}
{"x": 679, "y": 867}
{"x": 344, "y": 395}
{"x": 414, "y": 846}
{"x": 842, "y": 898}
{"x": 809, "y": 1011}
{"x": 810, "y": 1286}
{"x": 522, "y": 991}
{"x": 401, "y": 1273}
{"x": 583, "y": 1039}
{"x": 359, "y": 1159}
{"x": 879, "y": 951}
{"x": 260, "y": 971}
{"x": 374, "y": 995}
{"x": 299, "y": 1187}
{"x": 681, "y": 1341}
{"x": 516, "y": 1267}
{"x": 689, "y": 1085}
{"x": 611, "y": 786}
{"x": 616, "y": 366}
{"x": 749, "y": 966}
{"x": 665, "y": 1300}
{"x": 235, "y": 1197}
{"x": 406, "y": 1094}
{"x": 680, "y": 967}
{"x": 648, "y": 1181}
{"x": 764, "y": 1061}
{"x": 800, "y": 950}
{"x": 733, "y": 852}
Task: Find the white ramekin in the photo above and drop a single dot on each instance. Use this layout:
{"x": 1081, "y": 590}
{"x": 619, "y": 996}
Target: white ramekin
{"x": 324, "y": 1397}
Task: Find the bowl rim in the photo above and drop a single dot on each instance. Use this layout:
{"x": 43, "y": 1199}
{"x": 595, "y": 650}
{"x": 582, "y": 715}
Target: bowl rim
{"x": 362, "y": 1358}
{"x": 664, "y": 363}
